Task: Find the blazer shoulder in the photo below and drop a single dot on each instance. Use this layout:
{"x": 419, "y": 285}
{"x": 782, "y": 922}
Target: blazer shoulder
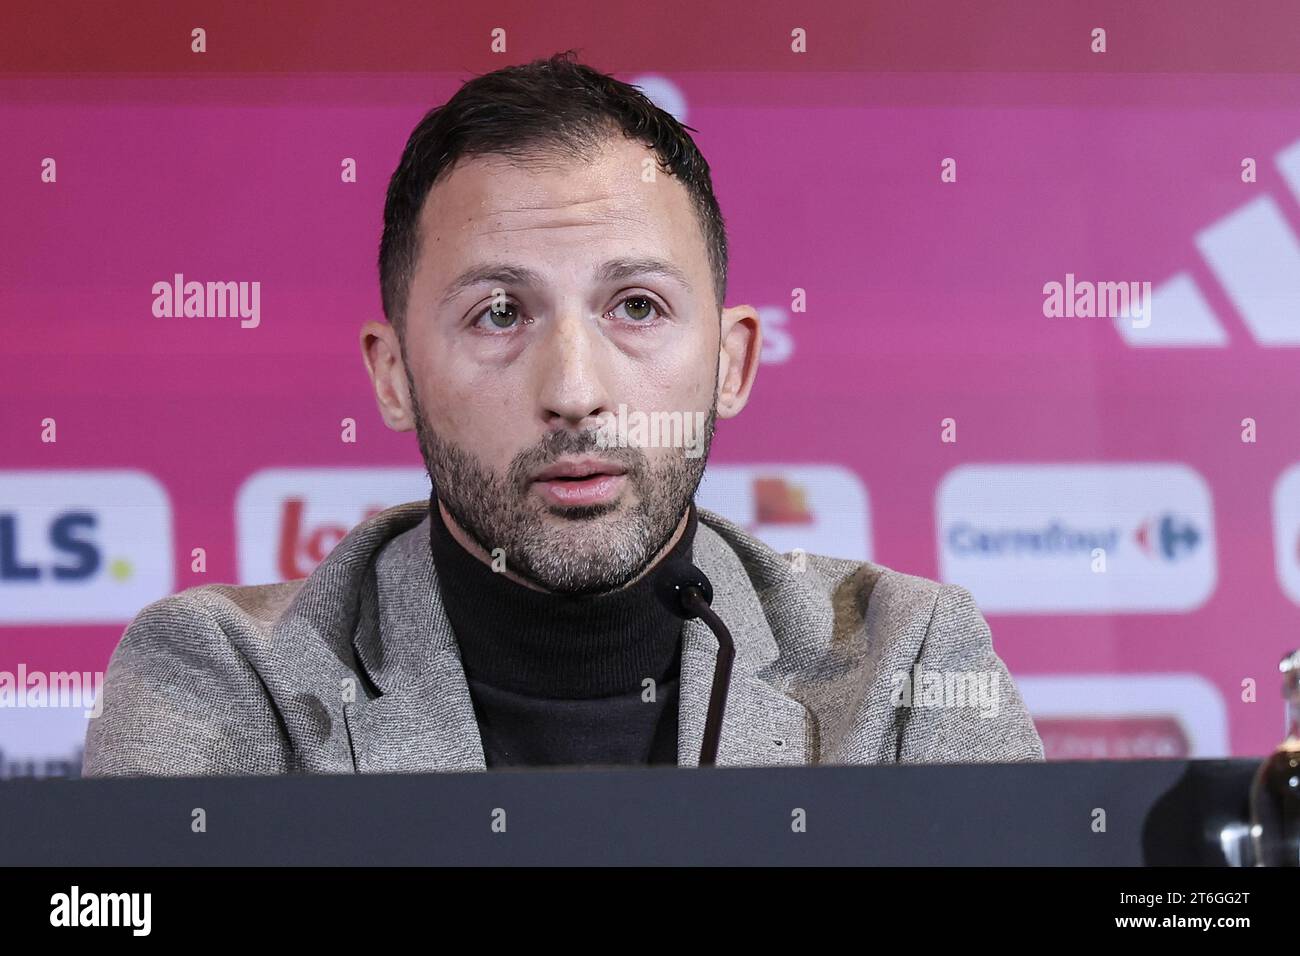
{"x": 242, "y": 610}
{"x": 879, "y": 585}
{"x": 965, "y": 705}
{"x": 918, "y": 633}
{"x": 243, "y": 616}
{"x": 204, "y": 614}
{"x": 852, "y": 632}
{"x": 850, "y": 589}
{"x": 182, "y": 694}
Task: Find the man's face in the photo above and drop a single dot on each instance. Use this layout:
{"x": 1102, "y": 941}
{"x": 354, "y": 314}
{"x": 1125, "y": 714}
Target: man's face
{"x": 593, "y": 291}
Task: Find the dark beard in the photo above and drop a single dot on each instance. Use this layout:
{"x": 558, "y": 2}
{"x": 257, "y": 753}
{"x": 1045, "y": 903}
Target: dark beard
{"x": 584, "y": 555}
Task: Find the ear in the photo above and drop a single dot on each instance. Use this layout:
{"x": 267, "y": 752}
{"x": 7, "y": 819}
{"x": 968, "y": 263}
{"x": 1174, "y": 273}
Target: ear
{"x": 382, "y": 354}
{"x": 738, "y": 352}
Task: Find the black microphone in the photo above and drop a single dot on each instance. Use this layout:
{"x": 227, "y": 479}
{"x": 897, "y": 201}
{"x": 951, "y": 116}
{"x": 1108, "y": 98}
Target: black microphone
{"x": 684, "y": 590}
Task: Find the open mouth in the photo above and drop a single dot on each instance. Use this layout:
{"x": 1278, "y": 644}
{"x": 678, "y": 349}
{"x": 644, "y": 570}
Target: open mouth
{"x": 588, "y": 488}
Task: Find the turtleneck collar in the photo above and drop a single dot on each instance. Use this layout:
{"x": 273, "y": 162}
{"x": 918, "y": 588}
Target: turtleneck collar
{"x": 551, "y": 645}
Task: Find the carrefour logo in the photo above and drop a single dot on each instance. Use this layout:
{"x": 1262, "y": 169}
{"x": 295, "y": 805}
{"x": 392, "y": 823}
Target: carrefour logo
{"x": 82, "y": 546}
{"x": 1078, "y": 538}
{"x": 1168, "y": 537}
{"x": 971, "y": 539}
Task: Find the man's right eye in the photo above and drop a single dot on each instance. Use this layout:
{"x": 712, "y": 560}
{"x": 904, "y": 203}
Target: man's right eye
{"x": 502, "y": 318}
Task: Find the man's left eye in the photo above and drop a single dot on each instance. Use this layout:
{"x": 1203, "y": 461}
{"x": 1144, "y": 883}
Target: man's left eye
{"x": 639, "y": 308}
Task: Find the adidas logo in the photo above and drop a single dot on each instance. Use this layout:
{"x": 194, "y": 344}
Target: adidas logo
{"x": 1255, "y": 257}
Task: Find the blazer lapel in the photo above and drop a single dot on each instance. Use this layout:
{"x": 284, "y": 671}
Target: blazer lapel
{"x": 761, "y": 725}
{"x": 423, "y": 719}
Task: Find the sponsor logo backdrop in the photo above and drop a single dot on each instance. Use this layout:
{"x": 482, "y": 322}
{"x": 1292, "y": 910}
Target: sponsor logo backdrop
{"x": 915, "y": 406}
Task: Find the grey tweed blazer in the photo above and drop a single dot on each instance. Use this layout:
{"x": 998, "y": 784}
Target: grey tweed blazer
{"x": 356, "y": 669}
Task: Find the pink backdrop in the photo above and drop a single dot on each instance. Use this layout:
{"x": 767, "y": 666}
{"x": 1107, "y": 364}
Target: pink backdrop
{"x": 924, "y": 302}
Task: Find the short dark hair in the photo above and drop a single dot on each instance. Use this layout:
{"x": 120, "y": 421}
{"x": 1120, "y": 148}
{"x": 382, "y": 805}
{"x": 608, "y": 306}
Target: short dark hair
{"x": 549, "y": 106}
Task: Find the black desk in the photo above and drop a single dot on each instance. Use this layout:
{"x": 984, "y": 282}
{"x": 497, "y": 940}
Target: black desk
{"x": 1156, "y": 812}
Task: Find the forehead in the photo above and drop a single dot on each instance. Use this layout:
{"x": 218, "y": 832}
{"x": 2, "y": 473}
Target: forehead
{"x": 559, "y": 209}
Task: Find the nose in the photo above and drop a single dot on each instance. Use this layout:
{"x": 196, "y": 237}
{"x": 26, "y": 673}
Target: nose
{"x": 571, "y": 383}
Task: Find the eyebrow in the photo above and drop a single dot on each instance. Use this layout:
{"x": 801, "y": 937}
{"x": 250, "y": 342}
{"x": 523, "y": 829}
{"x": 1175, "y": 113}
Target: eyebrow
{"x": 614, "y": 270}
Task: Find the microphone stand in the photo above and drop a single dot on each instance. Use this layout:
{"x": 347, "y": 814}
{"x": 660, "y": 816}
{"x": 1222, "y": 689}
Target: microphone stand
{"x": 689, "y": 594}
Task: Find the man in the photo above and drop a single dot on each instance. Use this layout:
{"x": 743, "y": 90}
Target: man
{"x": 552, "y": 257}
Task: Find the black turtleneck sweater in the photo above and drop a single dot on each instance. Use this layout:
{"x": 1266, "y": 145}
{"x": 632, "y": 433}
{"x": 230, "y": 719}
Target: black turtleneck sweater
{"x": 558, "y": 680}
